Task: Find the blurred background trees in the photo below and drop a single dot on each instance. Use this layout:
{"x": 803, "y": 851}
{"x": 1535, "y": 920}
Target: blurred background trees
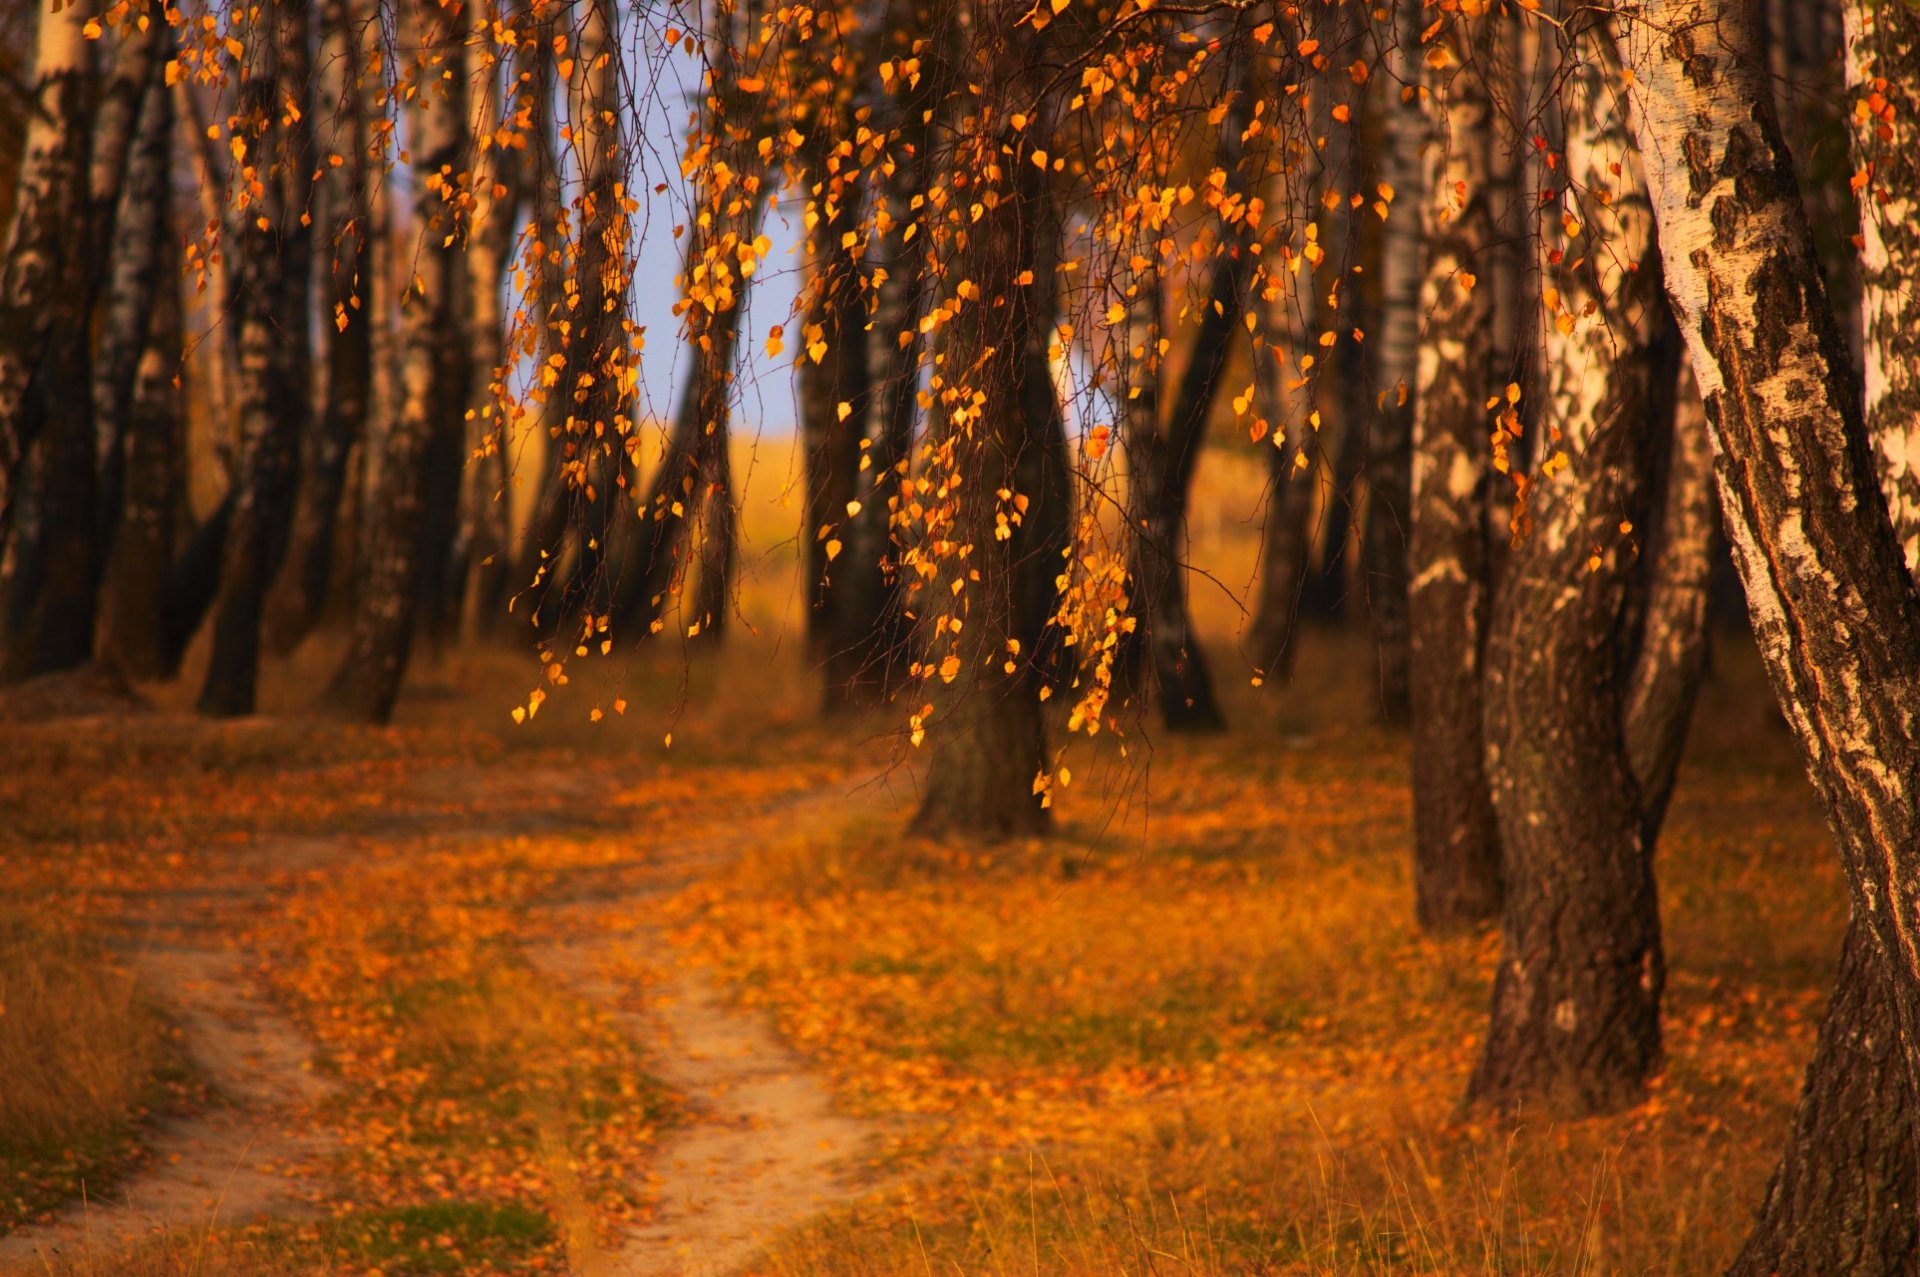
{"x": 319, "y": 327}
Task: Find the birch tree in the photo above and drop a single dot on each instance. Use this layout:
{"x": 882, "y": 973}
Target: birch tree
{"x": 1576, "y": 1000}
{"x": 1456, "y": 842}
{"x": 44, "y": 354}
{"x": 1844, "y": 1196}
{"x": 433, "y": 382}
{"x": 1833, "y": 606}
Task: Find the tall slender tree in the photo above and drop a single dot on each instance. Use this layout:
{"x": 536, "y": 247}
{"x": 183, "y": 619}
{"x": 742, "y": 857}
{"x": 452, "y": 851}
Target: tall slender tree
{"x": 1834, "y": 609}
{"x": 348, "y": 86}
{"x": 433, "y": 380}
{"x": 1395, "y": 351}
{"x": 1844, "y": 1197}
{"x": 48, "y": 506}
{"x": 270, "y": 313}
{"x": 1456, "y": 840}
{"x": 135, "y": 401}
{"x": 989, "y": 740}
{"x": 1576, "y": 1001}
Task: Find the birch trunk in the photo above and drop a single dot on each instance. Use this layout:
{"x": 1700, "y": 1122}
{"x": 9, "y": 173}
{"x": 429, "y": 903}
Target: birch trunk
{"x": 350, "y": 303}
{"x": 432, "y": 385}
{"x": 1456, "y": 842}
{"x": 836, "y": 315}
{"x": 478, "y": 574}
{"x": 988, "y": 736}
{"x": 137, "y": 59}
{"x": 1844, "y": 1197}
{"x": 1682, "y": 545}
{"x": 1396, "y": 352}
{"x": 134, "y": 585}
{"x": 1576, "y": 997}
{"x": 43, "y": 356}
{"x": 270, "y": 313}
{"x": 869, "y": 645}
{"x": 1834, "y": 611}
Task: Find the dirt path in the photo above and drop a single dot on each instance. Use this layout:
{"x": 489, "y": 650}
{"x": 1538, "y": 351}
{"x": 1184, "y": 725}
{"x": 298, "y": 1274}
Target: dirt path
{"x": 240, "y": 1160}
{"x": 767, "y": 1150}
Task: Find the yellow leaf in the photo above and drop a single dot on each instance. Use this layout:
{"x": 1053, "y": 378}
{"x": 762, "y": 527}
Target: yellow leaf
{"x": 950, "y": 669}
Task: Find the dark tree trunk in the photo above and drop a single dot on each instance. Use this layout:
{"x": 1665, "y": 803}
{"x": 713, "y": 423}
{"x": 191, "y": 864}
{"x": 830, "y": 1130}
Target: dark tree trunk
{"x": 836, "y": 318}
{"x": 1045, "y": 535}
{"x": 1682, "y": 545}
{"x": 147, "y": 435}
{"x": 433, "y": 387}
{"x": 1162, "y": 459}
{"x": 1383, "y": 552}
{"x": 193, "y": 581}
{"x": 1843, "y": 1201}
{"x": 117, "y": 136}
{"x": 1844, "y": 1197}
{"x": 44, "y": 356}
{"x": 989, "y": 741}
{"x": 870, "y": 648}
{"x": 1576, "y": 997}
{"x": 1162, "y": 485}
{"x": 693, "y": 484}
{"x": 343, "y": 211}
{"x": 1456, "y": 843}
{"x": 270, "y": 311}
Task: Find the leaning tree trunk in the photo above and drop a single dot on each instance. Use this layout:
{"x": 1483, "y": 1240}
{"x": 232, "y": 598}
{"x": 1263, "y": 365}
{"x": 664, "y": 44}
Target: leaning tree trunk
{"x": 139, "y": 408}
{"x": 1683, "y": 543}
{"x": 43, "y": 357}
{"x": 343, "y": 199}
{"x": 1456, "y": 842}
{"x": 1843, "y": 1200}
{"x": 1396, "y": 354}
{"x": 1576, "y": 997}
{"x": 989, "y": 740}
{"x": 433, "y": 387}
{"x": 270, "y": 311}
{"x": 1835, "y": 614}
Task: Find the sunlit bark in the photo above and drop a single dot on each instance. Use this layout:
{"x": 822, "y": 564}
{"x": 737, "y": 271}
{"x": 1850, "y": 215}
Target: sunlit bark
{"x": 1576, "y": 997}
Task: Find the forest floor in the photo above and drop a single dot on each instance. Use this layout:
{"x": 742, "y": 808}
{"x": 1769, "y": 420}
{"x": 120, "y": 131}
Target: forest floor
{"x": 461, "y": 996}
{"x": 657, "y": 982}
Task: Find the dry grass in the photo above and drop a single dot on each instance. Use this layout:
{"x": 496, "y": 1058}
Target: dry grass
{"x": 79, "y": 1049}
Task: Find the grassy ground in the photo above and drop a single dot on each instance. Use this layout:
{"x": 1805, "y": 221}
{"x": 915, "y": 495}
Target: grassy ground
{"x": 83, "y": 1056}
{"x": 1195, "y": 1032}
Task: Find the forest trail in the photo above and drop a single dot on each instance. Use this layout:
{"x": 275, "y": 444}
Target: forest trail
{"x": 766, "y": 1150}
{"x": 763, "y": 1148}
{"x": 244, "y": 1157}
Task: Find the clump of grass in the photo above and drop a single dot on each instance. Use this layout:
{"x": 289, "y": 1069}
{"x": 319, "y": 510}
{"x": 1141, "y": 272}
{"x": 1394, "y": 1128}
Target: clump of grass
{"x": 79, "y": 1054}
